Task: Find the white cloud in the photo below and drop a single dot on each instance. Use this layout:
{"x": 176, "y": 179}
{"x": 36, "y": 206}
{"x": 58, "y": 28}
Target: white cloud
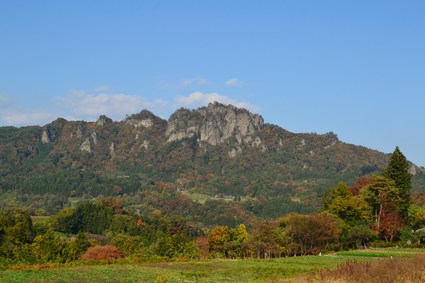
{"x": 234, "y": 83}
{"x": 89, "y": 106}
{"x": 198, "y": 98}
{"x": 12, "y": 114}
{"x": 190, "y": 82}
{"x": 26, "y": 117}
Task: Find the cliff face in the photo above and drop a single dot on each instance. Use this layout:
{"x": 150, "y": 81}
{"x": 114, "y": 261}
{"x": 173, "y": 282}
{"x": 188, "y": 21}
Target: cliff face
{"x": 216, "y": 124}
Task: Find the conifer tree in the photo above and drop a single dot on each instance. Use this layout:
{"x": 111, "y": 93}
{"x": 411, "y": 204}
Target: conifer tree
{"x": 398, "y": 171}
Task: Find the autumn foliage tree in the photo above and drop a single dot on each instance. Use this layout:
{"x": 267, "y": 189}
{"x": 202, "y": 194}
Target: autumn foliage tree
{"x": 267, "y": 240}
{"x": 313, "y": 233}
{"x": 230, "y": 242}
{"x": 383, "y": 196}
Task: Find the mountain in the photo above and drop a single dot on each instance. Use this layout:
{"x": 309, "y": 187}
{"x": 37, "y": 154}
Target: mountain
{"x": 215, "y": 162}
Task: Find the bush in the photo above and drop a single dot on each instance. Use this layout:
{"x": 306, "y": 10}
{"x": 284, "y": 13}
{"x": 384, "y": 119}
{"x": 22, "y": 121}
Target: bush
{"x": 107, "y": 252}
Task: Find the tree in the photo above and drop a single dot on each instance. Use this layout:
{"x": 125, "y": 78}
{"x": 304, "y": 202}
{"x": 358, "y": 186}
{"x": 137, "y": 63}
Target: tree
{"x": 16, "y": 230}
{"x": 312, "y": 234}
{"x": 398, "y": 171}
{"x": 351, "y": 209}
{"x": 360, "y": 235}
{"x": 219, "y": 239}
{"x": 267, "y": 240}
{"x": 78, "y": 246}
{"x": 340, "y": 191}
{"x": 228, "y": 242}
{"x": 383, "y": 196}
{"x": 239, "y": 237}
{"x": 49, "y": 248}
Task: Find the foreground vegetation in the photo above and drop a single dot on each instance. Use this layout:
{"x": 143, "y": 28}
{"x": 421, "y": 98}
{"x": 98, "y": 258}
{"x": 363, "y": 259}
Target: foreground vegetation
{"x": 389, "y": 270}
{"x": 247, "y": 270}
{"x": 326, "y": 268}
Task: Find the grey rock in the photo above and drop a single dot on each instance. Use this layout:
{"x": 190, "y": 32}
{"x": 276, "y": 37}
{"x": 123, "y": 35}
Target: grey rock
{"x": 86, "y": 146}
{"x": 215, "y": 124}
{"x": 143, "y": 119}
{"x": 45, "y": 136}
{"x": 103, "y": 120}
{"x": 94, "y": 138}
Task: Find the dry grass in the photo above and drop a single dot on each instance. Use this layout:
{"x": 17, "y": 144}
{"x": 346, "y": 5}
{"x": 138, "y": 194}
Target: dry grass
{"x": 383, "y": 270}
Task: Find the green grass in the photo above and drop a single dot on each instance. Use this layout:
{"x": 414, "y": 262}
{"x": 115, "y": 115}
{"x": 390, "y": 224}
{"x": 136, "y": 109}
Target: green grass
{"x": 40, "y": 219}
{"x": 241, "y": 270}
{"x": 382, "y": 252}
{"x": 248, "y": 270}
{"x": 197, "y": 197}
{"x": 395, "y": 249}
{"x": 373, "y": 254}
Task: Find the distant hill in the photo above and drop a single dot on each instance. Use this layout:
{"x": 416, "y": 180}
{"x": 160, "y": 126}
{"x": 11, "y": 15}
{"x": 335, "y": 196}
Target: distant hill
{"x": 198, "y": 160}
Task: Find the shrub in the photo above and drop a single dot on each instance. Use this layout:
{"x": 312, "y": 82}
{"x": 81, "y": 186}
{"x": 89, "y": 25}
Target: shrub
{"x": 107, "y": 252}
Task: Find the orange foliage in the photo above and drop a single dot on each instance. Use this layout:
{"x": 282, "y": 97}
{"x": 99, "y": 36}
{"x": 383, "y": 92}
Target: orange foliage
{"x": 102, "y": 253}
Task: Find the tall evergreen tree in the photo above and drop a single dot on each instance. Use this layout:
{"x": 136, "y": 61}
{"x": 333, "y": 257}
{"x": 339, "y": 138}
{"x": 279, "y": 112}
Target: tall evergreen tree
{"x": 398, "y": 171}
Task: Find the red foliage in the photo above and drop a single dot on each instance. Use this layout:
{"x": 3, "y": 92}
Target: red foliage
{"x": 203, "y": 246}
{"x": 391, "y": 223}
{"x": 102, "y": 253}
{"x": 361, "y": 183}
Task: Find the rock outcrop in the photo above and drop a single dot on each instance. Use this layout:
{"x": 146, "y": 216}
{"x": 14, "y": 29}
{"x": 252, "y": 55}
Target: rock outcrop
{"x": 86, "y": 146}
{"x": 103, "y": 120}
{"x": 216, "y": 124}
{"x": 143, "y": 119}
{"x": 45, "y": 136}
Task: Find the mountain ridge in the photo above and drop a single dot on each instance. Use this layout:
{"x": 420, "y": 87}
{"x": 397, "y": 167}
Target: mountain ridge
{"x": 212, "y": 150}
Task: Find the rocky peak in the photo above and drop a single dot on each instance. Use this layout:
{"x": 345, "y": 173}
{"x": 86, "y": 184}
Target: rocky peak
{"x": 216, "y": 124}
{"x": 103, "y": 120}
{"x": 143, "y": 119}
{"x": 53, "y": 130}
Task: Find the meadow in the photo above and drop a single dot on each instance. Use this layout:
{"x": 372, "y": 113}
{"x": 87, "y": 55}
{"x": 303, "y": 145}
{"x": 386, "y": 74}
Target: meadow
{"x": 293, "y": 269}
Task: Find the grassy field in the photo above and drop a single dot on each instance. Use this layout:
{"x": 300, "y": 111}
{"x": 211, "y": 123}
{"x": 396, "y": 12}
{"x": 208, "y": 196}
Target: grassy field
{"x": 40, "y": 219}
{"x": 248, "y": 270}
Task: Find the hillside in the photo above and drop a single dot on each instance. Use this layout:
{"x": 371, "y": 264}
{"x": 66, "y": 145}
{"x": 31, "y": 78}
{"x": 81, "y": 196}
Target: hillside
{"x": 216, "y": 164}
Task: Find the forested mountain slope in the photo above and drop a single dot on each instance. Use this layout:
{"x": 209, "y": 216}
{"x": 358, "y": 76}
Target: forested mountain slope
{"x": 213, "y": 158}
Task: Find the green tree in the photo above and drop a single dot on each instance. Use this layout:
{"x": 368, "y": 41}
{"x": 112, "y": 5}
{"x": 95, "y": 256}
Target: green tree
{"x": 340, "y": 191}
{"x": 16, "y": 230}
{"x": 49, "y": 248}
{"x": 127, "y": 244}
{"x": 351, "y": 209}
{"x": 238, "y": 240}
{"x": 78, "y": 247}
{"x": 398, "y": 171}
{"x": 360, "y": 235}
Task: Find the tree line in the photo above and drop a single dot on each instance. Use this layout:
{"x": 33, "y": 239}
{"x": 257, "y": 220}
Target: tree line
{"x": 375, "y": 208}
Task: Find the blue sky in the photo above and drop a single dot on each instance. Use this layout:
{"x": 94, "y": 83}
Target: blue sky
{"x": 356, "y": 68}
